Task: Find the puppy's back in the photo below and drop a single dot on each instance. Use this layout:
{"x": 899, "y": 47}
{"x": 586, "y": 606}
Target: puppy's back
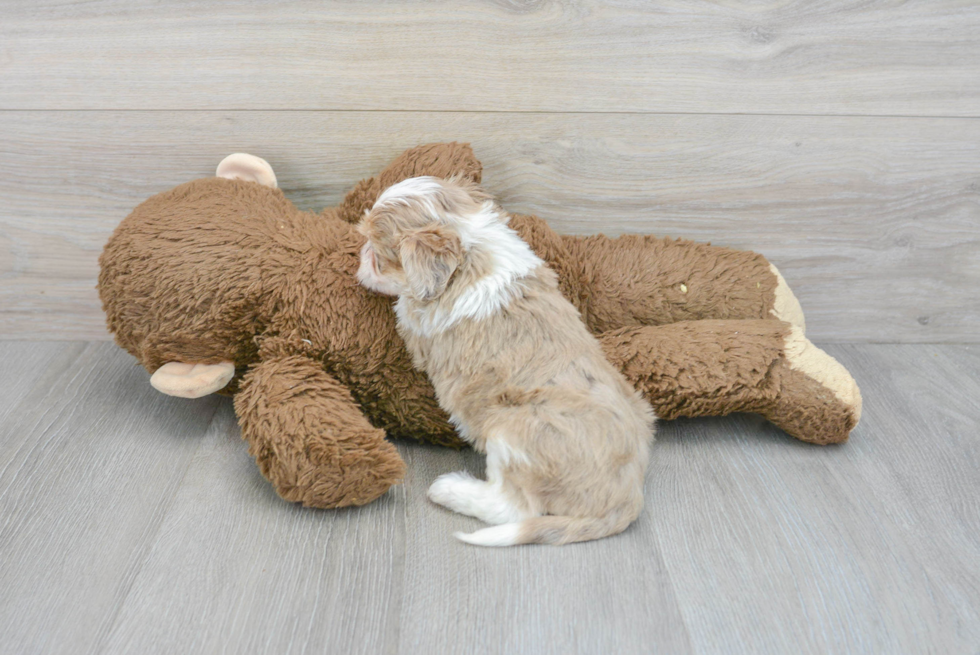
{"x": 577, "y": 434}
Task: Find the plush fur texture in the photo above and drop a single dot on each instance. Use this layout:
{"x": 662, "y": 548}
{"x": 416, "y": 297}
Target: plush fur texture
{"x": 220, "y": 270}
{"x": 513, "y": 364}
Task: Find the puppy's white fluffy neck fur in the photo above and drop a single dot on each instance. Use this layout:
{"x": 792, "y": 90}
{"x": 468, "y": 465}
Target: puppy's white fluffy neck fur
{"x": 511, "y": 260}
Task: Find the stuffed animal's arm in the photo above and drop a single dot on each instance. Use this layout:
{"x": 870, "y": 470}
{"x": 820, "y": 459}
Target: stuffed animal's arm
{"x": 308, "y": 436}
{"x": 716, "y": 367}
{"x": 436, "y": 159}
{"x": 644, "y": 280}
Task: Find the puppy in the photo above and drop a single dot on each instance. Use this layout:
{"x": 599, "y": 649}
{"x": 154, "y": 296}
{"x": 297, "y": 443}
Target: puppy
{"x": 567, "y": 439}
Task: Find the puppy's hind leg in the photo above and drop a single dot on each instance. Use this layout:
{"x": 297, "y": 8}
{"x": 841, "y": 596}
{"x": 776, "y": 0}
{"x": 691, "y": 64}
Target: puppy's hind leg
{"x": 463, "y": 493}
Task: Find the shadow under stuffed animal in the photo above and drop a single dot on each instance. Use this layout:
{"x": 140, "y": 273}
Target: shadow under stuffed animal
{"x": 223, "y": 285}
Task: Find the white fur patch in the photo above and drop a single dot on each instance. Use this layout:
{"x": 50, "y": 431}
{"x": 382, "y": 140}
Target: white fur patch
{"x": 463, "y": 493}
{"x": 413, "y": 187}
{"x": 512, "y": 259}
{"x": 500, "y": 454}
{"x": 498, "y": 535}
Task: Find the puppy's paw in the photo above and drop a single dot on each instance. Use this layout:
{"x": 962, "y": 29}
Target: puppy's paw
{"x": 446, "y": 489}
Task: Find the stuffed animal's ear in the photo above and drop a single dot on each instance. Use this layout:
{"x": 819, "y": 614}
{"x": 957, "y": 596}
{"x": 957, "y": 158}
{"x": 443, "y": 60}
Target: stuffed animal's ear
{"x": 429, "y": 258}
{"x": 242, "y": 166}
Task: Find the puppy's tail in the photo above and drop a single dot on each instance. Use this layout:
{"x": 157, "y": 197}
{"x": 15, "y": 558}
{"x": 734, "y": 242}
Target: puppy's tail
{"x": 555, "y": 530}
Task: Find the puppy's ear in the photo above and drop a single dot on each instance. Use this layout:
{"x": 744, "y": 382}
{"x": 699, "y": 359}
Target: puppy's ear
{"x": 430, "y": 257}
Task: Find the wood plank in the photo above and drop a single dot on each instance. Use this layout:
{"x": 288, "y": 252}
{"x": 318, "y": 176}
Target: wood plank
{"x": 875, "y": 222}
{"x": 30, "y": 364}
{"x": 873, "y": 546}
{"x": 801, "y": 57}
{"x": 236, "y": 569}
{"x": 91, "y": 458}
{"x": 610, "y": 596}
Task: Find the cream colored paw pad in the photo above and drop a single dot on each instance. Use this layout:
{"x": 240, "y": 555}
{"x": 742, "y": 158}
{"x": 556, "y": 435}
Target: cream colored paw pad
{"x": 192, "y": 380}
{"x": 785, "y": 306}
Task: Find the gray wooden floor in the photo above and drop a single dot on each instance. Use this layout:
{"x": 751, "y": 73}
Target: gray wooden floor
{"x": 132, "y": 522}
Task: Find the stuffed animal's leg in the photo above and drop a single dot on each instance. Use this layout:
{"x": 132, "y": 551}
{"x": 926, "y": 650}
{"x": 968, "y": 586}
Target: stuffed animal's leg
{"x": 310, "y": 439}
{"x": 713, "y": 368}
{"x": 645, "y": 280}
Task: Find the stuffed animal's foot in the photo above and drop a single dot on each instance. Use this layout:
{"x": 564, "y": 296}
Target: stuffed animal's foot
{"x": 818, "y": 401}
{"x": 192, "y": 380}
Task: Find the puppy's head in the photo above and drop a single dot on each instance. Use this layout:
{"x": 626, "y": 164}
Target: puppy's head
{"x": 416, "y": 235}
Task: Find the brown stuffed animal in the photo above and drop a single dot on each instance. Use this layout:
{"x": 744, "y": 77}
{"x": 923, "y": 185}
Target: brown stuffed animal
{"x": 222, "y": 285}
